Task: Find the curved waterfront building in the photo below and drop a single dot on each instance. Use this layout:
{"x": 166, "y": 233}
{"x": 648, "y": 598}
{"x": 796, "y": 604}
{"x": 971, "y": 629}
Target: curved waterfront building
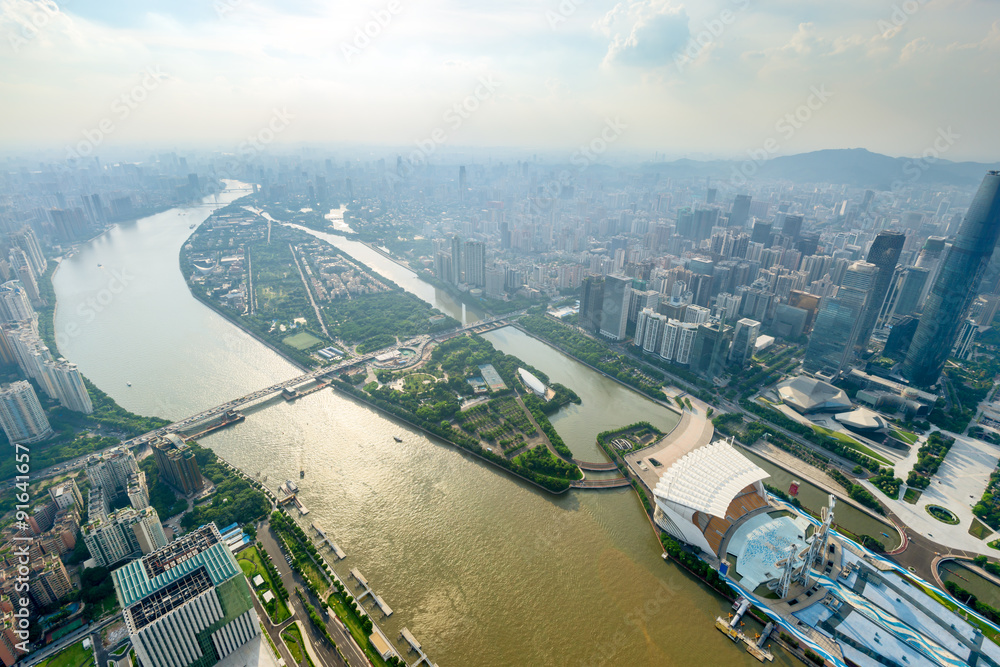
{"x": 956, "y": 284}
{"x": 851, "y": 607}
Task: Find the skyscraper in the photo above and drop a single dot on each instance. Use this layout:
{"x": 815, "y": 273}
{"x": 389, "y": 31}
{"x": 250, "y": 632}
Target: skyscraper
{"x": 744, "y": 342}
{"x": 591, "y": 302}
{"x": 740, "y": 213}
{"x": 614, "y": 309}
{"x": 832, "y": 342}
{"x": 187, "y": 603}
{"x": 21, "y": 415}
{"x": 956, "y": 284}
{"x": 792, "y": 227}
{"x": 884, "y": 253}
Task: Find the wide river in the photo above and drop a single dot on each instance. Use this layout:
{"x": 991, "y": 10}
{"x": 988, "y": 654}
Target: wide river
{"x": 482, "y": 568}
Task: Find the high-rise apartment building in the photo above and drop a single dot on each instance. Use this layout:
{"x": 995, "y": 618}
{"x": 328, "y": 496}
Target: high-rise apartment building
{"x": 956, "y": 285}
{"x": 187, "y": 604}
{"x": 15, "y": 306}
{"x": 177, "y": 464}
{"x": 112, "y": 470}
{"x": 59, "y": 379}
{"x": 21, "y": 415}
{"x": 127, "y": 532}
{"x": 474, "y": 259}
{"x": 456, "y": 259}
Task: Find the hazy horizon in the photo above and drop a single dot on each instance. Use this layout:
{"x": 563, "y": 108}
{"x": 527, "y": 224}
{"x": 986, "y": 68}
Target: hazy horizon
{"x": 653, "y": 78}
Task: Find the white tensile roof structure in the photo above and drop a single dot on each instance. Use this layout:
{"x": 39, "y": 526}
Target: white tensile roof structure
{"x": 533, "y": 383}
{"x": 708, "y": 478}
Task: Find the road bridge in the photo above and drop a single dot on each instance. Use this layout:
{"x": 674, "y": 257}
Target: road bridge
{"x": 291, "y": 385}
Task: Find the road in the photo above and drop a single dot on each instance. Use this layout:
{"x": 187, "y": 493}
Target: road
{"x": 341, "y": 636}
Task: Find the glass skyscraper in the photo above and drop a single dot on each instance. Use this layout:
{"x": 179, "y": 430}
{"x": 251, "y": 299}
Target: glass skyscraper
{"x": 956, "y": 285}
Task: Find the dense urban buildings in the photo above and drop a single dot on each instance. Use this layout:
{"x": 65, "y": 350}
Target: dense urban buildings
{"x": 187, "y": 603}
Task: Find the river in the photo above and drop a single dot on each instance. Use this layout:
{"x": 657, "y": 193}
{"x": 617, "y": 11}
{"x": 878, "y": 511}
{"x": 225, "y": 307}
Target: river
{"x": 483, "y": 569}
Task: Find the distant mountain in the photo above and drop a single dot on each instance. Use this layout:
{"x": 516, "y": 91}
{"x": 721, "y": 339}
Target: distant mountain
{"x": 852, "y": 166}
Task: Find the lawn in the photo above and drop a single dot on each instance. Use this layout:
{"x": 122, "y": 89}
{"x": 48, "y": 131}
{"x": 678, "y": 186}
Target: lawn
{"x": 979, "y": 530}
{"x": 252, "y": 565}
{"x": 942, "y": 514}
{"x": 74, "y": 656}
{"x": 905, "y": 436}
{"x": 912, "y": 496}
{"x": 852, "y": 443}
{"x": 292, "y": 637}
{"x": 302, "y": 341}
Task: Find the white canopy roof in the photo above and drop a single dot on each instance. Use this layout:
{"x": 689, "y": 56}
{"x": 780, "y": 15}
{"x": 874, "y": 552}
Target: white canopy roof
{"x": 708, "y": 478}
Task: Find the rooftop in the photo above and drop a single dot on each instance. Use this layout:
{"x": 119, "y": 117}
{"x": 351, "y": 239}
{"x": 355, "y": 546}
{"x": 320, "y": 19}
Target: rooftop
{"x": 806, "y": 394}
{"x": 201, "y": 548}
{"x": 708, "y": 478}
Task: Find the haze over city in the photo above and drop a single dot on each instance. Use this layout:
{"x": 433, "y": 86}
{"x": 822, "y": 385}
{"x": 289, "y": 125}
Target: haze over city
{"x": 707, "y": 79}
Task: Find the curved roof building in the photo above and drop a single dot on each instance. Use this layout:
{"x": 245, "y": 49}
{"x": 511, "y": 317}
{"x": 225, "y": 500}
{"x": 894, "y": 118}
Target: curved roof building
{"x": 836, "y": 598}
{"x": 861, "y": 419}
{"x": 531, "y": 382}
{"x": 805, "y": 395}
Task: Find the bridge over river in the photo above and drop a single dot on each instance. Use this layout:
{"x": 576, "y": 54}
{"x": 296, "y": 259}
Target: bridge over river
{"x": 294, "y": 383}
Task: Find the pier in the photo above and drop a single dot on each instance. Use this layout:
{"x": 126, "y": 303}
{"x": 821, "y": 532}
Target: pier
{"x": 731, "y": 628}
{"x": 326, "y": 540}
{"x": 368, "y": 591}
{"x": 415, "y": 647}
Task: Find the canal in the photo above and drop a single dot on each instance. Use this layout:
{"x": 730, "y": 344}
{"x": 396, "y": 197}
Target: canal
{"x": 483, "y": 569}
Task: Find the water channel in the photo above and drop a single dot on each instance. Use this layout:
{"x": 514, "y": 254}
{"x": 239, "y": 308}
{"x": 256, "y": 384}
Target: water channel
{"x": 482, "y": 568}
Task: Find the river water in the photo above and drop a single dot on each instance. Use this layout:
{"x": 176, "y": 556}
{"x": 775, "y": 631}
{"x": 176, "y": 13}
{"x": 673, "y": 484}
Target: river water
{"x": 483, "y": 569}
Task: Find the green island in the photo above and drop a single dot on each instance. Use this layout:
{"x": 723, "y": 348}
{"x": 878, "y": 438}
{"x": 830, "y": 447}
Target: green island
{"x": 296, "y": 293}
{"x": 503, "y": 422}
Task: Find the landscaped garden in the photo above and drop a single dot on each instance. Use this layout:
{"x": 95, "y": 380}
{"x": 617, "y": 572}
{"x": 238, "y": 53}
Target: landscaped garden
{"x": 943, "y": 514}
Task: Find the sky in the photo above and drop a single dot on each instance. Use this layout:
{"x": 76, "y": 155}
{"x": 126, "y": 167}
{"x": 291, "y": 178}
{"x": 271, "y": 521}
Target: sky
{"x": 647, "y": 78}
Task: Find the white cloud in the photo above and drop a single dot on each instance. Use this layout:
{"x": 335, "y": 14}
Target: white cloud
{"x": 645, "y": 33}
